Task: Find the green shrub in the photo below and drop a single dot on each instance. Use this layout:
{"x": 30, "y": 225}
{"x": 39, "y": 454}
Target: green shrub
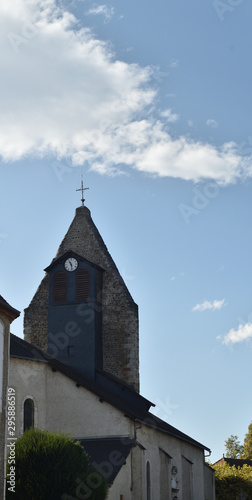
{"x": 49, "y": 466}
{"x": 231, "y": 481}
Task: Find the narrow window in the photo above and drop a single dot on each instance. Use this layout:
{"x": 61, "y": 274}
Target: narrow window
{"x": 98, "y": 286}
{"x": 60, "y": 287}
{"x": 82, "y": 284}
{"x": 148, "y": 482}
{"x": 28, "y": 414}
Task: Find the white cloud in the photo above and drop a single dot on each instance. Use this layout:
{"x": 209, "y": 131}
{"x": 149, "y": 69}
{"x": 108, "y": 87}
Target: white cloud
{"x": 104, "y": 10}
{"x": 212, "y": 306}
{"x": 63, "y": 93}
{"x": 212, "y": 123}
{"x": 170, "y": 117}
{"x": 243, "y": 332}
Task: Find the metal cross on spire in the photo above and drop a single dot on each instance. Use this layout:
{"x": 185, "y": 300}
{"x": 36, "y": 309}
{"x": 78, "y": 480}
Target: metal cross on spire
{"x": 82, "y": 189}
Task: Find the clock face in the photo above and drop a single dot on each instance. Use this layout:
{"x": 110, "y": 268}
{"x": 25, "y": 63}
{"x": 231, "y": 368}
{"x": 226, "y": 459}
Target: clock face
{"x": 71, "y": 264}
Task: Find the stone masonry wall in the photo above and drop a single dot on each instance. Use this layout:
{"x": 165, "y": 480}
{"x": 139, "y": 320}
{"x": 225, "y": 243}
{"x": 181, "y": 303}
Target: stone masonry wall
{"x": 35, "y": 316}
{"x": 120, "y": 313}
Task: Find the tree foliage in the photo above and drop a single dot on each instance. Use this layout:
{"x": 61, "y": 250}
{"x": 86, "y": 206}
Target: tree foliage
{"x": 248, "y": 443}
{"x": 51, "y": 466}
{"x": 231, "y": 481}
{"x": 234, "y": 449}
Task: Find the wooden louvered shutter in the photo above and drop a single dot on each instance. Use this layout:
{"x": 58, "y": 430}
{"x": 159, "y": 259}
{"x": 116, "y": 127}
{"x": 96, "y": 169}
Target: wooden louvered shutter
{"x": 82, "y": 284}
{"x": 98, "y": 286}
{"x": 60, "y": 287}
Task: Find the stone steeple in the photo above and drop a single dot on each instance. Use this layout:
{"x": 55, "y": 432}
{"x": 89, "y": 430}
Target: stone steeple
{"x": 119, "y": 312}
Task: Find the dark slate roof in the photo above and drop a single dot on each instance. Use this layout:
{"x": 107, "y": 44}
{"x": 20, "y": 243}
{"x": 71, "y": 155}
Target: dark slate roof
{"x": 104, "y": 385}
{"x": 137, "y": 412}
{"x": 71, "y": 253}
{"x": 238, "y": 462}
{"x": 208, "y": 466}
{"x": 121, "y": 388}
{"x": 5, "y": 305}
{"x": 107, "y": 455}
{"x": 3, "y": 300}
{"x": 19, "y": 348}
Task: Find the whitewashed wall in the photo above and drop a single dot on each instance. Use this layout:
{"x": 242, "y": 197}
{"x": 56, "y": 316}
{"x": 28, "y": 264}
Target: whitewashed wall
{"x": 61, "y": 406}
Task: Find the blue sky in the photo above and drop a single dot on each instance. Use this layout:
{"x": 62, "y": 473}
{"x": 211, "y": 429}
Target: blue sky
{"x": 152, "y": 104}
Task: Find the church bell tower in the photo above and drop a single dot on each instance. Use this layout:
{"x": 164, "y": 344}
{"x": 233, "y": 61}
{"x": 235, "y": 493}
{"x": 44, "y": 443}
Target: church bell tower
{"x": 75, "y": 313}
{"x": 82, "y": 312}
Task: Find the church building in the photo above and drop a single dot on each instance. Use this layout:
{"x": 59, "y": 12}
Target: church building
{"x": 77, "y": 372}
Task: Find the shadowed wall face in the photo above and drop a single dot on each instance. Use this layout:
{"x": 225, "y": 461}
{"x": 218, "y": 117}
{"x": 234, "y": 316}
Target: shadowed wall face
{"x": 75, "y": 313}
